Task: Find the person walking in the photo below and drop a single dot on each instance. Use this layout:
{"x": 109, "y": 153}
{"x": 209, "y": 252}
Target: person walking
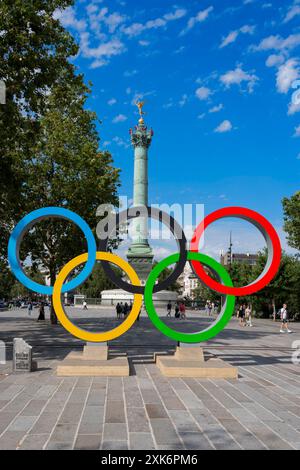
{"x": 169, "y": 309}
{"x": 207, "y": 308}
{"x": 284, "y": 319}
{"x": 84, "y": 305}
{"x": 41, "y": 312}
{"x": 126, "y": 309}
{"x": 177, "y": 311}
{"x": 242, "y": 315}
{"x": 118, "y": 310}
{"x": 248, "y": 315}
{"x": 29, "y": 308}
{"x": 182, "y": 311}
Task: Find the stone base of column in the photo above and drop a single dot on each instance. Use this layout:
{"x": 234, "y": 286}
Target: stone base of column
{"x": 94, "y": 361}
{"x": 190, "y": 362}
{"x": 141, "y": 263}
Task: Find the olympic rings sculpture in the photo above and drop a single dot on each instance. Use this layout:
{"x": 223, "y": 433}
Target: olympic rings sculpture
{"x": 197, "y": 260}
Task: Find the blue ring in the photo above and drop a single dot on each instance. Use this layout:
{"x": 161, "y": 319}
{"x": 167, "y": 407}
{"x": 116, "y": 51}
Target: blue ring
{"x": 25, "y": 224}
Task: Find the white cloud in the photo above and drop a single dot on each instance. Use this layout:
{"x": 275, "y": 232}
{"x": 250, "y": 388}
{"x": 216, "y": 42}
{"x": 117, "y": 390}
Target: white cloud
{"x": 203, "y": 93}
{"x": 113, "y": 21}
{"x": 293, "y": 11}
{"x": 199, "y": 18}
{"x": 297, "y": 131}
{"x": 286, "y": 75}
{"x": 119, "y": 118}
{"x": 278, "y": 43}
{"x": 137, "y": 28}
{"x": 225, "y": 126}
{"x": 112, "y": 102}
{"x": 274, "y": 60}
{"x": 144, "y": 43}
{"x": 216, "y": 109}
{"x": 233, "y": 35}
{"x": 68, "y": 19}
{"x": 183, "y": 101}
{"x": 237, "y": 77}
{"x": 103, "y": 52}
{"x": 293, "y": 108}
{"x": 201, "y": 116}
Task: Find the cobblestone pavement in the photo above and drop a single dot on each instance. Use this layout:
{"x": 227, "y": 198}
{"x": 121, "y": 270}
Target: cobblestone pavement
{"x": 260, "y": 410}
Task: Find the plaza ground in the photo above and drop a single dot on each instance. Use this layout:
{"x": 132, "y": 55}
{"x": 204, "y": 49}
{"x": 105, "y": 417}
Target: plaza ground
{"x": 260, "y": 410}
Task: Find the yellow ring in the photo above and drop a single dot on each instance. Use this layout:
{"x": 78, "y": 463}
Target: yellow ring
{"x": 83, "y": 334}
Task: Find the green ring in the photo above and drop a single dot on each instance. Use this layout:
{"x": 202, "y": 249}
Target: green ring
{"x": 223, "y": 318}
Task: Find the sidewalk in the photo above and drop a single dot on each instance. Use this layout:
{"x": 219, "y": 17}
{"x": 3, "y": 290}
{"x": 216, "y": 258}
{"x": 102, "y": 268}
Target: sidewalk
{"x": 146, "y": 410}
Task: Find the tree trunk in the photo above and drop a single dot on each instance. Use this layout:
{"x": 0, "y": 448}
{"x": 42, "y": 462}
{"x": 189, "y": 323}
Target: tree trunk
{"x": 53, "y": 317}
{"x": 274, "y": 310}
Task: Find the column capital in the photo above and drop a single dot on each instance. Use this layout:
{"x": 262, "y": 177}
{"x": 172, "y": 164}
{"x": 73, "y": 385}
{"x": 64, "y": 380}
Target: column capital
{"x": 141, "y": 136}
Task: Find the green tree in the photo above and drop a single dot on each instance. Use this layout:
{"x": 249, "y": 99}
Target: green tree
{"x": 67, "y": 170}
{"x": 34, "y": 53}
{"x": 48, "y": 138}
{"x": 97, "y": 282}
{"x": 291, "y": 209}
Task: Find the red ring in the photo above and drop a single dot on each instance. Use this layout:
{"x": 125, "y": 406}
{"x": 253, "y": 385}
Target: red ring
{"x": 256, "y": 219}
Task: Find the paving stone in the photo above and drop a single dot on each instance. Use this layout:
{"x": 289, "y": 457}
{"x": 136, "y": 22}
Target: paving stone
{"x": 164, "y": 432}
{"x": 115, "y": 412}
{"x": 45, "y": 423}
{"x": 53, "y": 445}
{"x": 195, "y": 441}
{"x": 11, "y": 440}
{"x": 92, "y": 420}
{"x": 116, "y": 432}
{"x": 141, "y": 441}
{"x": 137, "y": 420}
{"x": 34, "y": 442}
{"x": 156, "y": 411}
{"x": 88, "y": 442}
{"x": 114, "y": 445}
{"x": 22, "y": 423}
{"x": 64, "y": 432}
{"x": 183, "y": 421}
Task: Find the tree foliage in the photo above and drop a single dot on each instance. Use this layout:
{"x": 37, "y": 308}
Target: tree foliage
{"x": 291, "y": 209}
{"x": 48, "y": 137}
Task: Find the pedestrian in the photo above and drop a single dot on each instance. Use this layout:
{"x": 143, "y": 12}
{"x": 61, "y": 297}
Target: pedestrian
{"x": 118, "y": 310}
{"x": 29, "y": 308}
{"x": 242, "y": 315}
{"x": 182, "y": 311}
{"x": 41, "y": 312}
{"x": 126, "y": 309}
{"x": 85, "y": 307}
{"x": 284, "y": 319}
{"x": 212, "y": 308}
{"x": 177, "y": 311}
{"x": 169, "y": 309}
{"x": 248, "y": 315}
{"x": 207, "y": 307}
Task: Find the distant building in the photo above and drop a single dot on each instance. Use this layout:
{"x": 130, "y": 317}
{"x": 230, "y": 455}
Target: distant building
{"x": 188, "y": 282}
{"x": 230, "y": 258}
{"x": 243, "y": 258}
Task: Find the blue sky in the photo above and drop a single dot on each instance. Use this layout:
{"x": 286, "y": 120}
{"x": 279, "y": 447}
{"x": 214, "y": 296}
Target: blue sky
{"x": 218, "y": 80}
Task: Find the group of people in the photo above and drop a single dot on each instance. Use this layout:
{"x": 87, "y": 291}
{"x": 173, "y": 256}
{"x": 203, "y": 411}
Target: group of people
{"x": 180, "y": 310}
{"x": 209, "y": 308}
{"x": 244, "y": 314}
{"x": 123, "y": 309}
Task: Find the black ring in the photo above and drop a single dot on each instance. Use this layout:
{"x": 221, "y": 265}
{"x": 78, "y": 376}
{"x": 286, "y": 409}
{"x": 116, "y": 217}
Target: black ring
{"x": 175, "y": 229}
